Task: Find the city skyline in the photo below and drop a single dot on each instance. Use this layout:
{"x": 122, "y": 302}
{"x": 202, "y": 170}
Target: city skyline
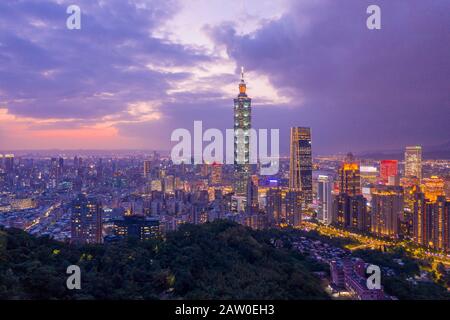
{"x": 242, "y": 150}
{"x": 75, "y": 94}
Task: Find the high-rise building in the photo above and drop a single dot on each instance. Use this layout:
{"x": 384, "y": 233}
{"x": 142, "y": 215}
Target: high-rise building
{"x": 293, "y": 202}
{"x": 169, "y": 184}
{"x": 441, "y": 224}
{"x": 86, "y": 220}
{"x": 204, "y": 170}
{"x": 359, "y": 218}
{"x": 252, "y": 206}
{"x": 300, "y": 167}
{"x": 433, "y": 187}
{"x": 324, "y": 199}
{"x": 413, "y": 162}
{"x": 274, "y": 206}
{"x": 156, "y": 185}
{"x": 388, "y": 168}
{"x": 422, "y": 219}
{"x": 368, "y": 176}
{"x": 431, "y": 222}
{"x": 242, "y": 126}
{"x": 350, "y": 212}
{"x": 216, "y": 173}
{"x": 147, "y": 168}
{"x": 138, "y": 227}
{"x": 60, "y": 166}
{"x": 9, "y": 163}
{"x": 387, "y": 211}
{"x": 340, "y": 208}
{"x": 350, "y": 179}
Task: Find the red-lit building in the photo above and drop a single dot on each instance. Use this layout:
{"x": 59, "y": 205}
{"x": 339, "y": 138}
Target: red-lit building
{"x": 388, "y": 168}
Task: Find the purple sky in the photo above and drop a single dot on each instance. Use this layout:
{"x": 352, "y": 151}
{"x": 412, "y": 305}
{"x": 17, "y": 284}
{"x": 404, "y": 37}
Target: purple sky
{"x": 139, "y": 69}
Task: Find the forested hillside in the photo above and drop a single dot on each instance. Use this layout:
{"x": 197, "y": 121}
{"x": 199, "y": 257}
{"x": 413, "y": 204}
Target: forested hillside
{"x": 212, "y": 261}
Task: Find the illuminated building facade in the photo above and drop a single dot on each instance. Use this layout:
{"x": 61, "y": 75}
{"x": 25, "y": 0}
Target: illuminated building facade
{"x": 350, "y": 179}
{"x": 324, "y": 199}
{"x": 350, "y": 212}
{"x": 387, "y": 211}
{"x": 138, "y": 227}
{"x": 293, "y": 202}
{"x": 413, "y": 162}
{"x": 368, "y": 175}
{"x": 255, "y": 221}
{"x": 147, "y": 168}
{"x": 169, "y": 184}
{"x": 274, "y": 206}
{"x": 216, "y": 173}
{"x": 242, "y": 126}
{"x": 23, "y": 203}
{"x": 422, "y": 220}
{"x": 388, "y": 168}
{"x": 86, "y": 220}
{"x": 441, "y": 224}
{"x": 300, "y": 166}
{"x": 8, "y": 163}
{"x": 156, "y": 185}
{"x": 252, "y": 205}
{"x": 350, "y": 274}
{"x": 431, "y": 222}
{"x": 433, "y": 187}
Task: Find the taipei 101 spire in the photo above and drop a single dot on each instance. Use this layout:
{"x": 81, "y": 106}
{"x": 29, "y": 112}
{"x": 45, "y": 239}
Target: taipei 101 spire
{"x": 242, "y": 126}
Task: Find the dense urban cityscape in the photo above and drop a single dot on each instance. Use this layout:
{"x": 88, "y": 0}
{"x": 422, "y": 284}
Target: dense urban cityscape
{"x": 224, "y": 159}
{"x": 104, "y": 197}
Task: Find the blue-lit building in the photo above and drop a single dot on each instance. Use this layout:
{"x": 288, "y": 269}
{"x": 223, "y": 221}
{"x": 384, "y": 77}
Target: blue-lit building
{"x": 139, "y": 227}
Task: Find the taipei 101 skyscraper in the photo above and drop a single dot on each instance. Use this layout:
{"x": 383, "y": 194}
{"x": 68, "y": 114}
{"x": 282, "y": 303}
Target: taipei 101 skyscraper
{"x": 242, "y": 126}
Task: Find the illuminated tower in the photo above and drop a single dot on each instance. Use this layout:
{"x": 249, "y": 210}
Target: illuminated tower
{"x": 413, "y": 162}
{"x": 242, "y": 126}
{"x": 422, "y": 218}
{"x": 300, "y": 167}
{"x": 324, "y": 199}
{"x": 441, "y": 224}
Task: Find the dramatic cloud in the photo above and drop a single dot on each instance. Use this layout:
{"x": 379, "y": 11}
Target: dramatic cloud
{"x": 357, "y": 88}
{"x": 54, "y": 72}
{"x": 139, "y": 69}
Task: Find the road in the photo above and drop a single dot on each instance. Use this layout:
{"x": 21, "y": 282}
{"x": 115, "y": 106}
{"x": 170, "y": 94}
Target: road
{"x": 369, "y": 242}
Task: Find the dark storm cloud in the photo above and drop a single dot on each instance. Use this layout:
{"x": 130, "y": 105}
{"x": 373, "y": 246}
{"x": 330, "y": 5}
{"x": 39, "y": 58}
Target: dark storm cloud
{"x": 357, "y": 88}
{"x": 48, "y": 71}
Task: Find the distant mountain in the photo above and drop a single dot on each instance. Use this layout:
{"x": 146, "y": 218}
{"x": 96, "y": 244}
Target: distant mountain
{"x": 441, "y": 151}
